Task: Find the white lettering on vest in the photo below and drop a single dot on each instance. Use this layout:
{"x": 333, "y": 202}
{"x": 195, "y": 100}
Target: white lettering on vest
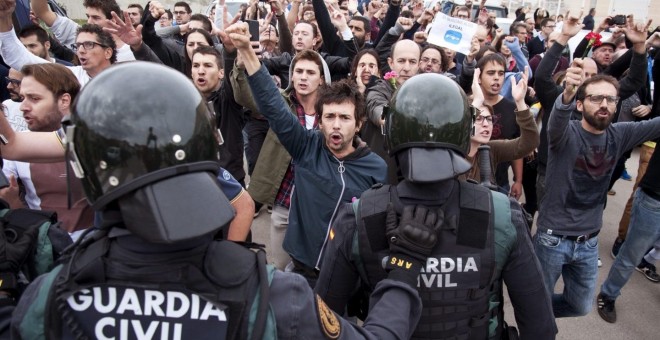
{"x": 98, "y": 329}
{"x": 172, "y": 298}
{"x": 85, "y": 301}
{"x": 152, "y": 301}
{"x": 98, "y": 300}
{"x": 433, "y": 277}
{"x": 129, "y": 302}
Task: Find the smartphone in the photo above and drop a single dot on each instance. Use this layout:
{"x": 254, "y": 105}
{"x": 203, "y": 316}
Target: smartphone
{"x": 254, "y": 29}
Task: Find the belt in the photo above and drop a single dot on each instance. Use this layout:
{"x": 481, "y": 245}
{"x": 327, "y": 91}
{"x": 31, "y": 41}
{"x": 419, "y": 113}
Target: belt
{"x": 575, "y": 238}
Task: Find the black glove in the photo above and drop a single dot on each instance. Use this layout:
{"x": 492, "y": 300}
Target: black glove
{"x": 14, "y": 250}
{"x": 411, "y": 239}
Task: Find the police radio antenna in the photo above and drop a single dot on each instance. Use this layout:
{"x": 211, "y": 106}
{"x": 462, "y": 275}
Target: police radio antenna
{"x": 484, "y": 167}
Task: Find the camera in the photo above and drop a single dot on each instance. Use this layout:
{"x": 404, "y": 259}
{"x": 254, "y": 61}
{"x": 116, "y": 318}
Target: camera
{"x": 618, "y": 20}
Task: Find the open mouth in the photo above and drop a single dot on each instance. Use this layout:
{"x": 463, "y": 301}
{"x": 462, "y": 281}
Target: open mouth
{"x": 201, "y": 81}
{"x": 336, "y": 138}
{"x": 602, "y": 114}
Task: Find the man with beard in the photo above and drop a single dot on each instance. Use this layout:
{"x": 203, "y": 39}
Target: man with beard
{"x": 36, "y": 40}
{"x": 581, "y": 158}
{"x": 49, "y": 90}
{"x": 11, "y": 105}
{"x": 331, "y": 165}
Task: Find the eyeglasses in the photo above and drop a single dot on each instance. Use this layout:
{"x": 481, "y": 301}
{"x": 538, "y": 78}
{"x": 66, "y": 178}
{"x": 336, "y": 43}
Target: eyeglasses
{"x": 429, "y": 60}
{"x": 553, "y": 26}
{"x": 462, "y": 16}
{"x": 597, "y": 99}
{"x": 180, "y": 12}
{"x": 13, "y": 81}
{"x": 87, "y": 45}
{"x": 480, "y": 119}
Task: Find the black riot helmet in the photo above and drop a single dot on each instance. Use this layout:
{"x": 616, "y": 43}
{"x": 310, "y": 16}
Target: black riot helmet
{"x": 142, "y": 135}
{"x": 427, "y": 128}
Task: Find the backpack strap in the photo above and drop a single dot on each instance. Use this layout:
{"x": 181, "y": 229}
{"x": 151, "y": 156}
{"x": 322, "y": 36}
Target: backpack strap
{"x": 259, "y": 326}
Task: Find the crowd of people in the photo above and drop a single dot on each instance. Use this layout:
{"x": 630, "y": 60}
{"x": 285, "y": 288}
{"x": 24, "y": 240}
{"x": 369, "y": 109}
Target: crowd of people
{"x": 156, "y": 135}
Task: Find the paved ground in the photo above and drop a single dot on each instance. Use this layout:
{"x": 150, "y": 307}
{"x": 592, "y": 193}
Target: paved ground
{"x": 640, "y": 299}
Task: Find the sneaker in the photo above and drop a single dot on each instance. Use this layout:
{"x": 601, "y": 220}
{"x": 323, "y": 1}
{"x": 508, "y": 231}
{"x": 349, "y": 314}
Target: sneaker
{"x": 625, "y": 176}
{"x": 269, "y": 208}
{"x": 600, "y": 263}
{"x": 611, "y": 192}
{"x": 616, "y": 247}
{"x": 648, "y": 270}
{"x": 606, "y": 308}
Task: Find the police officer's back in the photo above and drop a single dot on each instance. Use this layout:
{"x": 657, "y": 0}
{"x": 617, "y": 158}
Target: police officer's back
{"x": 483, "y": 242}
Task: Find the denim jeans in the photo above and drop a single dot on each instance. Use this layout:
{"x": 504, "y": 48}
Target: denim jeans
{"x": 643, "y": 232}
{"x": 577, "y": 263}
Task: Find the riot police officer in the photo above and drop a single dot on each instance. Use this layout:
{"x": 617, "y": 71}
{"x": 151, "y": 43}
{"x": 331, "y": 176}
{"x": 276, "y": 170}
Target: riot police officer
{"x": 141, "y": 140}
{"x": 483, "y": 242}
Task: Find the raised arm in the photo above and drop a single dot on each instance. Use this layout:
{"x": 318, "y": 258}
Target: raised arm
{"x": 12, "y": 50}
{"x": 43, "y": 12}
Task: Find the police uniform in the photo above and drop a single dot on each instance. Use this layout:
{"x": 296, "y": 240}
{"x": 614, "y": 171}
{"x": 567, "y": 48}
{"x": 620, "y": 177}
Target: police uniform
{"x": 483, "y": 242}
{"x": 122, "y": 309}
{"x": 460, "y": 284}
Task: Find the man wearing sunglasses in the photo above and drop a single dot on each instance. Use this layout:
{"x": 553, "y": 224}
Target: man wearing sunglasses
{"x": 582, "y": 155}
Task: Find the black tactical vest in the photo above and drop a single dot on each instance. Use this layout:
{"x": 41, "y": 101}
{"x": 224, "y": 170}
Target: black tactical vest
{"x": 457, "y": 285}
{"x": 104, "y": 290}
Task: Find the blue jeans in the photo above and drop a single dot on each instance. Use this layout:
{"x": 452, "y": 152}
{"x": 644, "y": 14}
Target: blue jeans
{"x": 577, "y": 263}
{"x": 643, "y": 232}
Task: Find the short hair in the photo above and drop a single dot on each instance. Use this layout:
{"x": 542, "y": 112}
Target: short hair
{"x": 104, "y": 38}
{"x": 513, "y": 30}
{"x": 343, "y": 91}
{"x": 462, "y": 9}
{"x": 582, "y": 89}
{"x": 592, "y": 10}
{"x": 365, "y": 22}
{"x": 169, "y": 14}
{"x": 482, "y": 53}
{"x": 310, "y": 55}
{"x": 210, "y": 50}
{"x": 183, "y": 4}
{"x": 315, "y": 32}
{"x": 187, "y": 62}
{"x": 359, "y": 55}
{"x": 106, "y": 6}
{"x": 491, "y": 58}
{"x": 57, "y": 78}
{"x": 206, "y": 22}
{"x": 545, "y": 21}
{"x": 32, "y": 29}
{"x": 138, "y": 6}
{"x": 444, "y": 59}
